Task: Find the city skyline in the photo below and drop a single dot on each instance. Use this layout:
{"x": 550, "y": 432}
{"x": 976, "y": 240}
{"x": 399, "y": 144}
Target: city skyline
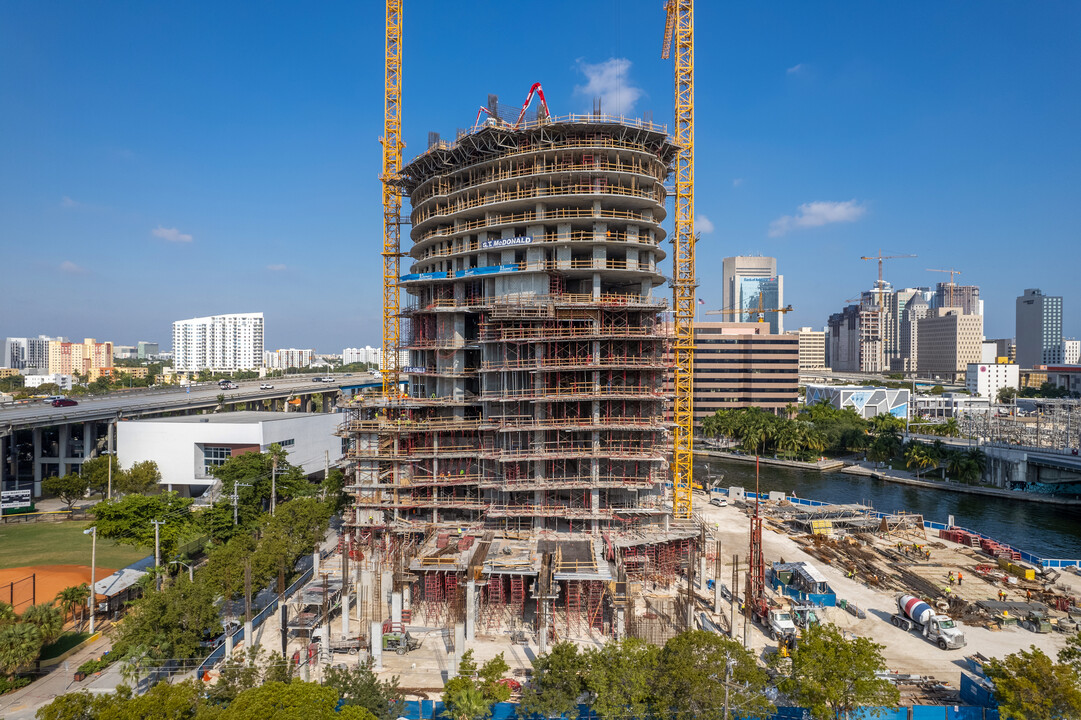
{"x": 226, "y": 173}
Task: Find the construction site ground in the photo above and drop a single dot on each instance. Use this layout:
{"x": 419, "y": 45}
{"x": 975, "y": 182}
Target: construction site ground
{"x": 905, "y": 652}
{"x": 422, "y": 672}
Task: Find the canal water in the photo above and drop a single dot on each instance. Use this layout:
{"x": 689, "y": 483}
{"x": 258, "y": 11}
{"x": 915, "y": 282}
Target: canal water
{"x": 1049, "y": 531}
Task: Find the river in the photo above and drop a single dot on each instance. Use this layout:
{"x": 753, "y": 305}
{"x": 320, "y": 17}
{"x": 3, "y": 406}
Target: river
{"x": 1049, "y": 531}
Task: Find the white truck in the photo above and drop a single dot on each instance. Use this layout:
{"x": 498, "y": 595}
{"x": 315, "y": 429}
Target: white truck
{"x": 779, "y": 623}
{"x": 939, "y": 629}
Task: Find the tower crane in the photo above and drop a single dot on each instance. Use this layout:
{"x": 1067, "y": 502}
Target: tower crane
{"x": 880, "y": 257}
{"x": 759, "y": 311}
{"x": 392, "y": 199}
{"x": 952, "y": 272}
{"x": 679, "y": 33}
{"x": 881, "y": 305}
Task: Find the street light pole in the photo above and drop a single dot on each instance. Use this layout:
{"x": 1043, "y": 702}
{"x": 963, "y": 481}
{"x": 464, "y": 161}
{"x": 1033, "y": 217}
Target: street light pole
{"x": 92, "y": 600}
{"x": 157, "y": 550}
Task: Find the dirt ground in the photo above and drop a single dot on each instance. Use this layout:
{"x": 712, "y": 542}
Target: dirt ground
{"x": 48, "y": 581}
{"x": 905, "y": 652}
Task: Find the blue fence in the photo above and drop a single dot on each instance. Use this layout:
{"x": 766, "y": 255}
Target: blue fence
{"x": 931, "y": 525}
{"x": 425, "y": 709}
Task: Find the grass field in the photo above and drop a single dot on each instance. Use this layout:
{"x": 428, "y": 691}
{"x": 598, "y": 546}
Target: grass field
{"x": 59, "y": 543}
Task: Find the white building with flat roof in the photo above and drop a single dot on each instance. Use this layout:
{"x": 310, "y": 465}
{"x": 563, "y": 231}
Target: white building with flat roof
{"x": 986, "y": 379}
{"x": 218, "y": 343}
{"x": 188, "y": 448}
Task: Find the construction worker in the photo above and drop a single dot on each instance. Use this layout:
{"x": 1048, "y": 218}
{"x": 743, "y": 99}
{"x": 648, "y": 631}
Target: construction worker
{"x": 927, "y": 554}
{"x": 950, "y": 578}
{"x": 1028, "y": 596}
{"x": 1002, "y": 595}
{"x": 960, "y": 577}
{"x": 947, "y": 590}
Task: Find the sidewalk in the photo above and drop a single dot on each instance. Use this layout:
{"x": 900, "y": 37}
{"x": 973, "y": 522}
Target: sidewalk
{"x": 23, "y": 704}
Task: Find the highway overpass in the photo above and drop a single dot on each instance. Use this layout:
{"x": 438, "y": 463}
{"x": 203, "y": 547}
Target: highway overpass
{"x": 38, "y": 440}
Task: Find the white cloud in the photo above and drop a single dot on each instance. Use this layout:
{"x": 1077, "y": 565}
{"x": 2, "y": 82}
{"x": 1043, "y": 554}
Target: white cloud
{"x": 71, "y": 268}
{"x": 816, "y": 214}
{"x": 609, "y": 80}
{"x": 703, "y": 224}
{"x": 69, "y": 203}
{"x": 795, "y": 69}
{"x": 171, "y": 234}
{"x": 736, "y": 182}
{"x": 276, "y": 267}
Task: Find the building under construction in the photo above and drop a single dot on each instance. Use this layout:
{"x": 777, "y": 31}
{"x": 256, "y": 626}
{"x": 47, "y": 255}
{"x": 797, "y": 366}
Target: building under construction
{"x": 520, "y": 479}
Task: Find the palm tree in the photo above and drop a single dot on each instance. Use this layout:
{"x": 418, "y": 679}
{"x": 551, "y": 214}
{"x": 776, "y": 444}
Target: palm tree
{"x": 7, "y": 614}
{"x": 788, "y": 437}
{"x": 810, "y": 438}
{"x": 74, "y": 597}
{"x": 47, "y": 618}
{"x": 950, "y": 428}
{"x": 467, "y": 703}
{"x": 919, "y": 456}
{"x": 978, "y": 457}
{"x": 20, "y": 645}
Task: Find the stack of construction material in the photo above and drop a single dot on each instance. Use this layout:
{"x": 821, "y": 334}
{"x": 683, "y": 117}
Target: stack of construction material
{"x": 998, "y": 550}
{"x": 957, "y": 535}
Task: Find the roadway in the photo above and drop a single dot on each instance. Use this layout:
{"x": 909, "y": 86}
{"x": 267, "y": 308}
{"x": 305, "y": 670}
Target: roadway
{"x": 135, "y": 403}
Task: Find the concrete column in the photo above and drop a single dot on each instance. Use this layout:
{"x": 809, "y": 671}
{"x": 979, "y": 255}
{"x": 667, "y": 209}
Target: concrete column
{"x": 345, "y": 615}
{"x": 702, "y": 572}
{"x": 249, "y": 640}
{"x": 459, "y": 647}
{"x": 88, "y": 439}
{"x": 542, "y": 642}
{"x": 36, "y": 435}
{"x": 315, "y": 565}
{"x": 377, "y": 645}
{"x": 471, "y": 610}
{"x": 63, "y": 440}
{"x": 305, "y": 668}
{"x": 620, "y": 623}
{"x": 4, "y": 468}
{"x": 385, "y": 587}
{"x": 407, "y": 597}
{"x": 395, "y": 607}
{"x": 717, "y": 596}
{"x": 229, "y": 644}
{"x": 364, "y": 594}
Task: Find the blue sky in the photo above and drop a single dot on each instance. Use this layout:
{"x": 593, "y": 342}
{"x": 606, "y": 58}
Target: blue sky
{"x": 166, "y": 160}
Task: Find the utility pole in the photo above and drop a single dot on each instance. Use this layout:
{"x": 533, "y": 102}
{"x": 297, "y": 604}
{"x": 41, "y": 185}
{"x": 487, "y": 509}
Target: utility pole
{"x": 236, "y": 498}
{"x": 273, "y": 485}
{"x": 109, "y": 488}
{"x": 92, "y": 600}
{"x": 157, "y": 550}
{"x": 735, "y": 580}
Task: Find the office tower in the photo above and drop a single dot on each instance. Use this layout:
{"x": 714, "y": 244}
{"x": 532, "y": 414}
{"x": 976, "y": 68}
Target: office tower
{"x": 746, "y": 280}
{"x": 1038, "y": 329}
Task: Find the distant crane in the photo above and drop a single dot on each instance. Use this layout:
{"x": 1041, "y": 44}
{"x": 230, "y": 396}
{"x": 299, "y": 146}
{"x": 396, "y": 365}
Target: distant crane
{"x": 881, "y": 305}
{"x": 759, "y": 311}
{"x": 952, "y": 272}
{"x": 880, "y": 257}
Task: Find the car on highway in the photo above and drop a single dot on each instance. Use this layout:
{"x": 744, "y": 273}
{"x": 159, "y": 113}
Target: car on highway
{"x": 266, "y": 386}
{"x": 64, "y": 402}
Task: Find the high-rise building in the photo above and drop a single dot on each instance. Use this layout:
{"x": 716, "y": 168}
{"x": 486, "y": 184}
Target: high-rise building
{"x": 146, "y": 350}
{"x": 738, "y": 365}
{"x": 1039, "y": 329}
{"x": 914, "y": 310}
{"x": 1005, "y": 347}
{"x": 855, "y": 343}
{"x": 812, "y": 348}
{"x": 218, "y": 343}
{"x": 531, "y": 310}
{"x": 26, "y": 353}
{"x": 86, "y": 358}
{"x": 747, "y": 280}
{"x": 287, "y": 358}
{"x": 948, "y": 341}
{"x": 1071, "y": 352}
{"x": 966, "y": 297}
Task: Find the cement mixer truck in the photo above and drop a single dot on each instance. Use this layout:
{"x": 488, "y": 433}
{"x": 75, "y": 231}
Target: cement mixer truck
{"x": 939, "y": 629}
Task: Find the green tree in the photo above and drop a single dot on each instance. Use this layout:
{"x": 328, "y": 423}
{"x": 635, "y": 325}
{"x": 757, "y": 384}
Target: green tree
{"x": 472, "y": 682}
{"x": 558, "y": 681}
{"x": 47, "y": 618}
{"x": 291, "y": 701}
{"x": 919, "y": 457}
{"x": 950, "y": 428}
{"x": 8, "y": 616}
{"x": 1071, "y": 654}
{"x": 180, "y": 701}
{"x": 47, "y": 389}
{"x": 1030, "y": 686}
{"x": 73, "y": 598}
{"x": 171, "y": 623}
{"x": 128, "y": 520}
{"x": 247, "y": 670}
{"x": 70, "y": 488}
{"x": 20, "y": 646}
{"x": 96, "y": 472}
{"x": 620, "y": 678}
{"x": 358, "y": 685}
{"x": 832, "y": 676}
{"x": 1006, "y": 395}
{"x": 697, "y": 671}
{"x": 142, "y": 477}
{"x": 937, "y": 390}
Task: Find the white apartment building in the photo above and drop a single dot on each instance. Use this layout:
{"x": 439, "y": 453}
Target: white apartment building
{"x": 26, "y": 353}
{"x": 369, "y": 354}
{"x": 218, "y": 343}
{"x": 986, "y": 379}
{"x": 1071, "y": 352}
{"x": 287, "y": 358}
{"x": 62, "y": 381}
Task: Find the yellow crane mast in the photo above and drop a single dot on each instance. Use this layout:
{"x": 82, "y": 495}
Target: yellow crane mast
{"x": 392, "y": 199}
{"x": 679, "y": 32}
